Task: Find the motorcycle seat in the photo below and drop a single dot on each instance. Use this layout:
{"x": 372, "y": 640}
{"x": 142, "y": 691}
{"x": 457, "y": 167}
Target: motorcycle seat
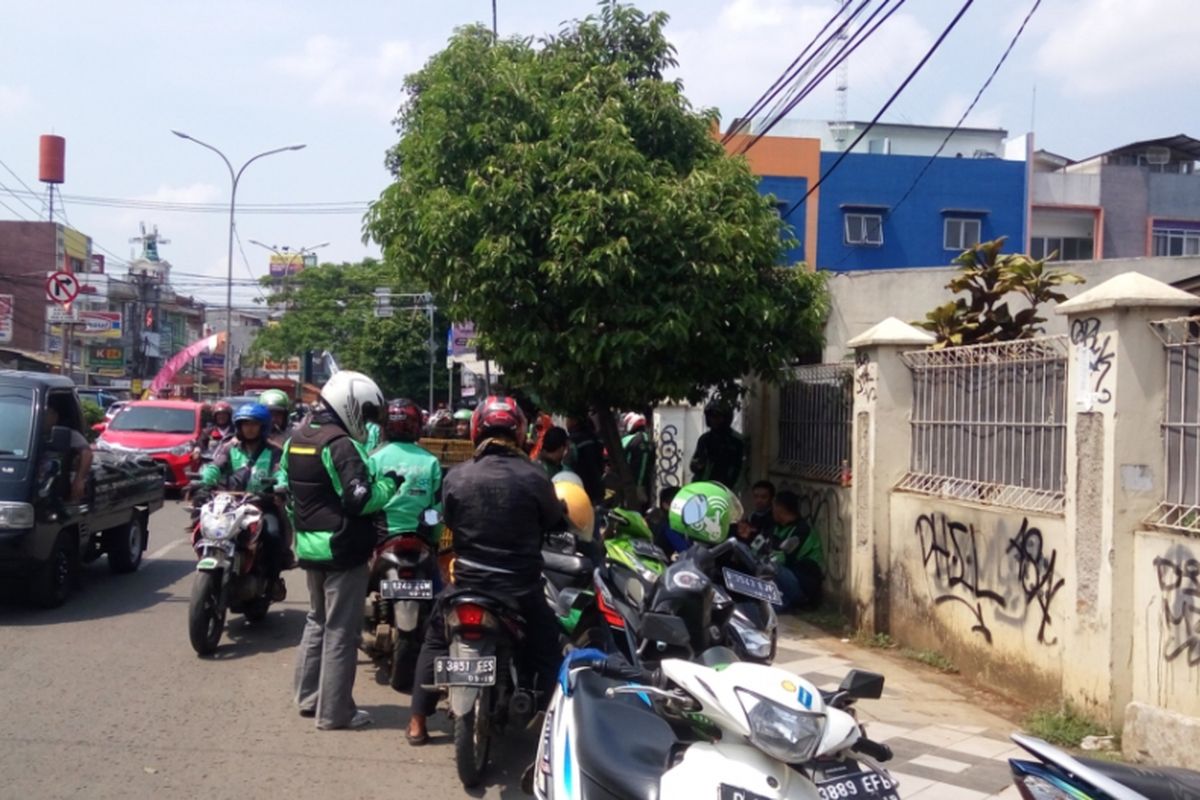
{"x": 1149, "y": 781}
{"x": 623, "y": 745}
{"x": 578, "y": 566}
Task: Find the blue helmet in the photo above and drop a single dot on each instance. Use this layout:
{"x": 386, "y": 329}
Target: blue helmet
{"x": 253, "y": 412}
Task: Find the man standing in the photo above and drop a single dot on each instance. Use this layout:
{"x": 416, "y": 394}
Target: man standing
{"x": 587, "y": 456}
{"x": 720, "y": 451}
{"x": 334, "y": 494}
{"x": 639, "y": 454}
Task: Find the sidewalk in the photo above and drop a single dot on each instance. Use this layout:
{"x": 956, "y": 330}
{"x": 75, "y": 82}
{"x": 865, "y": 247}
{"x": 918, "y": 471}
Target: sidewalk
{"x": 945, "y": 744}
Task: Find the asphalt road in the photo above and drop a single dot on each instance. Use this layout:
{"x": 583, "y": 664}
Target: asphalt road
{"x": 104, "y": 697}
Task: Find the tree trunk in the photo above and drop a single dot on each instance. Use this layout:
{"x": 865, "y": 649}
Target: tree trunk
{"x": 626, "y": 485}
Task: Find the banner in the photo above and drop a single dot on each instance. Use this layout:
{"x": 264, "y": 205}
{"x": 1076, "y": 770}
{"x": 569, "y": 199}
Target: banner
{"x": 180, "y": 359}
{"x": 107, "y": 357}
{"x": 6, "y": 318}
{"x": 213, "y": 366}
{"x": 93, "y": 324}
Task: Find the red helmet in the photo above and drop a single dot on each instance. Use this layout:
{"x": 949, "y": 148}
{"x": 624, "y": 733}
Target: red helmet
{"x": 222, "y": 407}
{"x": 404, "y": 420}
{"x": 499, "y": 415}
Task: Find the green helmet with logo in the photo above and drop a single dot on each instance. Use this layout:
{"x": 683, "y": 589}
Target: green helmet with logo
{"x": 704, "y": 510}
{"x": 275, "y": 399}
{"x": 462, "y": 414}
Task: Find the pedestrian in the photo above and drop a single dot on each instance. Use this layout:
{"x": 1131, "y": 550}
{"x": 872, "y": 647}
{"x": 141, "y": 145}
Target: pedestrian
{"x": 555, "y": 446}
{"x": 756, "y": 530}
{"x": 334, "y": 495}
{"x": 638, "y": 449}
{"x": 586, "y": 458}
{"x": 719, "y": 451}
{"x": 798, "y": 556}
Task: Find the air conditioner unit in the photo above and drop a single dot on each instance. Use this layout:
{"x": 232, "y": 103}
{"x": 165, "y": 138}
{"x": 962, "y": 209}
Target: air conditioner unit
{"x": 1158, "y": 155}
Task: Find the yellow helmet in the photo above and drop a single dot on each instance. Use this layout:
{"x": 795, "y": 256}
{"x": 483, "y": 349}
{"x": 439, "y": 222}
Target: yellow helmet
{"x": 579, "y": 509}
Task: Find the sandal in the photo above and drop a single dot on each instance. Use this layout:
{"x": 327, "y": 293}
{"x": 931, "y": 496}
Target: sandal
{"x": 417, "y": 741}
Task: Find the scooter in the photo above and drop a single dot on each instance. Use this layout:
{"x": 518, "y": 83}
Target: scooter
{"x": 400, "y": 598}
{"x": 691, "y": 730}
{"x": 1055, "y": 775}
{"x": 231, "y": 574}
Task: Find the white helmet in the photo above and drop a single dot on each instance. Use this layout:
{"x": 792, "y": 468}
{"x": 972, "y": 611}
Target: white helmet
{"x": 354, "y": 399}
{"x": 633, "y": 421}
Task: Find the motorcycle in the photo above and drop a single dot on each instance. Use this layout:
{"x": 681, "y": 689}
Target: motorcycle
{"x": 695, "y": 730}
{"x": 1055, "y": 774}
{"x": 634, "y": 562}
{"x": 567, "y": 579}
{"x": 400, "y": 596}
{"x": 489, "y": 688}
{"x": 231, "y": 574}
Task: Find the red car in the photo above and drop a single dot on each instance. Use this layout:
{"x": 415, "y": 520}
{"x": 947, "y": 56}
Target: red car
{"x": 165, "y": 430}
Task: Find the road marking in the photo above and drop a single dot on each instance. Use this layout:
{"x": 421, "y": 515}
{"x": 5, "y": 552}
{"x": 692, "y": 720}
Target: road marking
{"x": 166, "y": 548}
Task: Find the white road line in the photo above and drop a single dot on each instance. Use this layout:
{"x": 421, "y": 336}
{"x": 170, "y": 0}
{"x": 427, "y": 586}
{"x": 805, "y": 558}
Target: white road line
{"x": 166, "y": 548}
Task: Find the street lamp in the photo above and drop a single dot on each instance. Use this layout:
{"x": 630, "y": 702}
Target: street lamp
{"x": 234, "y": 177}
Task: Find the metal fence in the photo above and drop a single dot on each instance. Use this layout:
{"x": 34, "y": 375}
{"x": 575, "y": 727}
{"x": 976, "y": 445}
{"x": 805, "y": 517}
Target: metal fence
{"x": 989, "y": 423}
{"x": 1180, "y": 506}
{"x": 816, "y": 407}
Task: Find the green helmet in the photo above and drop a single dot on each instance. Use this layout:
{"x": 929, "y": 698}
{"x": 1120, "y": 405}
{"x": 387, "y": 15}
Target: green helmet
{"x": 463, "y": 414}
{"x": 275, "y": 399}
{"x": 704, "y": 511}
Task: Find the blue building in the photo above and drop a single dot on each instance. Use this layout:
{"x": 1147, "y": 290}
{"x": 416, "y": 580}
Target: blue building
{"x": 959, "y": 202}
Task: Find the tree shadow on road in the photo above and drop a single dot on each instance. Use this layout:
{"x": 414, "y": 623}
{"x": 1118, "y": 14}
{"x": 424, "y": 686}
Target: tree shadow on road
{"x": 100, "y": 594}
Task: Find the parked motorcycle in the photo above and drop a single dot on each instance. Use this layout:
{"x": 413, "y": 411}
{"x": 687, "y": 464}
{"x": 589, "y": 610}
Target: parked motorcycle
{"x": 232, "y": 574}
{"x": 488, "y": 687}
{"x": 403, "y": 575}
{"x": 1055, "y": 775}
{"x": 691, "y": 730}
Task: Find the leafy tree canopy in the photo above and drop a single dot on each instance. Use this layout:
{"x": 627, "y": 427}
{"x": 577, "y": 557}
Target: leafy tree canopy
{"x": 567, "y": 198}
{"x": 331, "y": 307}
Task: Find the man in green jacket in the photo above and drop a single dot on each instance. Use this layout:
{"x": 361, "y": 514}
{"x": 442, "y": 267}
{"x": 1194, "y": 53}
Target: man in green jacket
{"x": 422, "y": 472}
{"x": 799, "y": 560}
{"x": 334, "y": 495}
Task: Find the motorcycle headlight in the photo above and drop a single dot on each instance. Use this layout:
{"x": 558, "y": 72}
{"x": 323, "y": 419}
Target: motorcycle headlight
{"x": 757, "y": 644}
{"x": 181, "y": 449}
{"x": 16, "y": 515}
{"x": 783, "y": 733}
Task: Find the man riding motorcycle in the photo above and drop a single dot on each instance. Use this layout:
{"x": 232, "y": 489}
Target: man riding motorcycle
{"x": 220, "y": 429}
{"x": 499, "y": 505}
{"x": 422, "y": 472}
{"x": 276, "y": 401}
{"x": 243, "y": 463}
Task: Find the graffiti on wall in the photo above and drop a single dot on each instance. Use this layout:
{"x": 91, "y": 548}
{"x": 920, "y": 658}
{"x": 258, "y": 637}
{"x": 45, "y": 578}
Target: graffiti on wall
{"x": 1179, "y": 582}
{"x": 996, "y": 579}
{"x": 821, "y": 508}
{"x": 670, "y": 457}
{"x": 864, "y": 377}
{"x": 1095, "y": 359}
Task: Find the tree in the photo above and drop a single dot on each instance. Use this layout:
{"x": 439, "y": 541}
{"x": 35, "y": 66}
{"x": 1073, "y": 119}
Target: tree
{"x": 331, "y": 307}
{"x": 990, "y": 279}
{"x": 568, "y": 200}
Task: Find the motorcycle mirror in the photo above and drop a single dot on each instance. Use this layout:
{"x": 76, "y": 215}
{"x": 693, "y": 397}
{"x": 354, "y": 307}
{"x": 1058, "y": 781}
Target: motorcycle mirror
{"x": 665, "y": 628}
{"x": 862, "y": 685}
{"x": 431, "y": 517}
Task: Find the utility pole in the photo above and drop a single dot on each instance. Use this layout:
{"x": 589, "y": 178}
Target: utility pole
{"x": 495, "y": 29}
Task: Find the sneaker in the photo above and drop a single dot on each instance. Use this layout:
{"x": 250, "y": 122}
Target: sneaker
{"x": 361, "y": 719}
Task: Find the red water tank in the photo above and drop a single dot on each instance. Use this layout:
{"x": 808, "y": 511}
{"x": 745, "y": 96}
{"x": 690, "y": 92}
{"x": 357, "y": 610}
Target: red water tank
{"x": 52, "y": 157}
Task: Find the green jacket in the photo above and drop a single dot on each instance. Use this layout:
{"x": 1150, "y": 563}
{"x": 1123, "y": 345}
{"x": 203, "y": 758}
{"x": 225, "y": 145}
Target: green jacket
{"x": 233, "y": 467}
{"x": 374, "y": 437}
{"x": 797, "y": 542}
{"x": 422, "y": 487}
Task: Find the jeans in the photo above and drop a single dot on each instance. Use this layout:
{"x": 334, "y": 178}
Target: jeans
{"x": 327, "y": 660}
{"x": 800, "y": 585}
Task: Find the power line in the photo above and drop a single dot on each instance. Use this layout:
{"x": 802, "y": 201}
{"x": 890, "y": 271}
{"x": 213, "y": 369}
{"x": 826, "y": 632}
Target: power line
{"x": 920, "y": 64}
{"x": 300, "y": 208}
{"x": 36, "y": 212}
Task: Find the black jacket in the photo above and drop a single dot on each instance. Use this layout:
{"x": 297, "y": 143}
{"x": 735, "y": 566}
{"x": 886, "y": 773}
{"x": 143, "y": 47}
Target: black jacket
{"x": 587, "y": 461}
{"x": 499, "y": 506}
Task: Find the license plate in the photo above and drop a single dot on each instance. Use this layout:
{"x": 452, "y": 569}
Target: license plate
{"x": 750, "y": 586}
{"x": 401, "y": 589}
{"x": 464, "y": 671}
{"x": 865, "y": 784}
{"x": 727, "y": 792}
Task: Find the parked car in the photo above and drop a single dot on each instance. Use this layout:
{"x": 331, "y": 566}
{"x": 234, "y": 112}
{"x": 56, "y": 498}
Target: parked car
{"x": 165, "y": 430}
{"x": 43, "y": 536}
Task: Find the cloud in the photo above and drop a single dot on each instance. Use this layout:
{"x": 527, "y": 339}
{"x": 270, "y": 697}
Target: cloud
{"x": 1107, "y": 47}
{"x": 730, "y": 61}
{"x": 192, "y": 193}
{"x": 13, "y": 99}
{"x": 955, "y": 103}
{"x": 343, "y": 77}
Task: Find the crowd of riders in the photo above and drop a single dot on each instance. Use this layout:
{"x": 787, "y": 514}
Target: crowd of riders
{"x": 355, "y": 473}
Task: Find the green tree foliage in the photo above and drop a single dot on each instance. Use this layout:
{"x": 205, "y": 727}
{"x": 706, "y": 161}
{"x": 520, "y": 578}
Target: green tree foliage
{"x": 92, "y": 414}
{"x": 991, "y": 279}
{"x": 331, "y": 307}
{"x": 568, "y": 199}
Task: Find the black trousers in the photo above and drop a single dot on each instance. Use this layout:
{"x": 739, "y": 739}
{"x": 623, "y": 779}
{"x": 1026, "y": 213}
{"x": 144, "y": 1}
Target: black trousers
{"x": 540, "y": 652}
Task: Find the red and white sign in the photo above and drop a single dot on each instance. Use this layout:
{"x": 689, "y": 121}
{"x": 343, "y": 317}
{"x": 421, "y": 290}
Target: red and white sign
{"x": 61, "y": 287}
{"x": 6, "y": 318}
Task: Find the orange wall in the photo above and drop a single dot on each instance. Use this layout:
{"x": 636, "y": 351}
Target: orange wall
{"x": 788, "y": 157}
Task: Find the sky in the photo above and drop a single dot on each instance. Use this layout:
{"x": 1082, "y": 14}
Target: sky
{"x": 116, "y": 77}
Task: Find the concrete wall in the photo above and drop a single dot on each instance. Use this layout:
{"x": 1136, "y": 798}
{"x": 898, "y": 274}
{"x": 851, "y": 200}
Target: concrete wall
{"x": 1174, "y": 196}
{"x": 985, "y": 587}
{"x": 28, "y": 250}
{"x": 1125, "y": 195}
{"x": 861, "y": 299}
{"x": 1066, "y": 189}
{"x": 1166, "y": 622}
{"x": 826, "y": 507}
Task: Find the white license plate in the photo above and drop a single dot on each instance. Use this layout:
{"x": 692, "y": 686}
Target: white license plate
{"x": 402, "y": 589}
{"x": 748, "y": 585}
{"x": 464, "y": 671}
{"x": 868, "y": 784}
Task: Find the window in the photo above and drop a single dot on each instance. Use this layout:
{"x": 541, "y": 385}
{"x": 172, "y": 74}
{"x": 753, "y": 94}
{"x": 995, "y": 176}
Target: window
{"x": 961, "y": 234}
{"x": 864, "y": 229}
{"x": 1176, "y": 242}
{"x": 1061, "y": 248}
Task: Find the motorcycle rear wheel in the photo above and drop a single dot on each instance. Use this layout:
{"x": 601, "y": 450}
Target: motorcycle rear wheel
{"x": 206, "y": 615}
{"x": 472, "y": 738}
{"x": 403, "y": 667}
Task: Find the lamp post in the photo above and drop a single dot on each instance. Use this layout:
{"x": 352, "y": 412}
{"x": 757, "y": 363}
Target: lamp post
{"x": 286, "y": 252}
{"x": 234, "y": 177}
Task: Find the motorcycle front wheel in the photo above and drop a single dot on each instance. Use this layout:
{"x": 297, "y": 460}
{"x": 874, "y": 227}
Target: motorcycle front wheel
{"x": 206, "y": 614}
{"x": 472, "y": 737}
